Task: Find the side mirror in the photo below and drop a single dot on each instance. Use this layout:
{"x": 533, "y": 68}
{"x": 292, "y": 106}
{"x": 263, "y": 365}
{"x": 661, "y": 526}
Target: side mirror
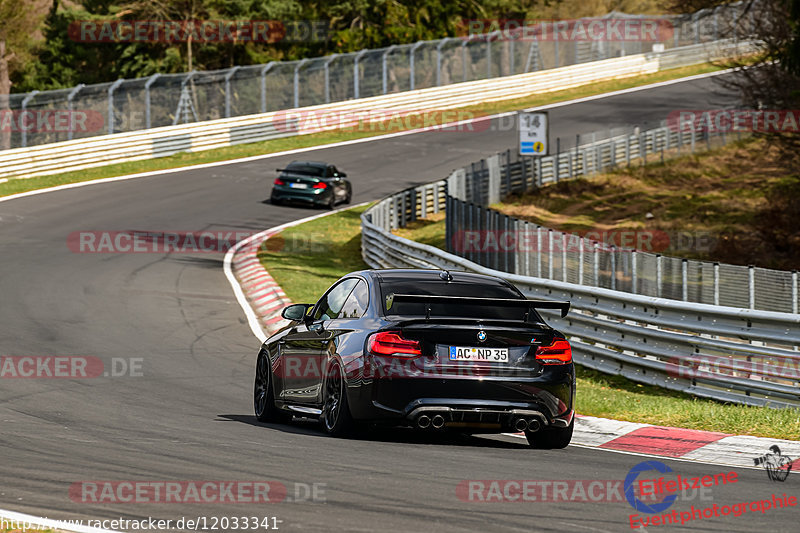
{"x": 295, "y": 312}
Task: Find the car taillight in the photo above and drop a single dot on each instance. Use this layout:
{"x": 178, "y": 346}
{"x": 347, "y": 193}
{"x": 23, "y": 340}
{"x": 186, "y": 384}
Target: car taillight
{"x": 279, "y": 181}
{"x": 558, "y": 353}
{"x": 320, "y": 185}
{"x": 392, "y": 343}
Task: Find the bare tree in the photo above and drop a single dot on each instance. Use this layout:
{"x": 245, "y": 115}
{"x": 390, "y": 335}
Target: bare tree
{"x": 769, "y": 78}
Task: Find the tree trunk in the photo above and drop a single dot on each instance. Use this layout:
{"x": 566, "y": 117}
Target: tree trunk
{"x": 5, "y": 91}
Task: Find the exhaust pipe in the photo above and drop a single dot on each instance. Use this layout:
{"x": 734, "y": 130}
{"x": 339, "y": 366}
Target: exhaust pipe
{"x": 438, "y": 421}
{"x": 423, "y": 421}
{"x": 521, "y": 424}
{"x": 534, "y": 425}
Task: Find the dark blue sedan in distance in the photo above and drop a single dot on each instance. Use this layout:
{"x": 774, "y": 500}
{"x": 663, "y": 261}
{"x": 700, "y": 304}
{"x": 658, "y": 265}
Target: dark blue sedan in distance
{"x": 312, "y": 183}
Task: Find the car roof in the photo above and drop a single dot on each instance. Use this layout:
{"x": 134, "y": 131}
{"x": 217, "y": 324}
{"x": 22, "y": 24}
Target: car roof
{"x": 308, "y": 164}
{"x": 410, "y": 274}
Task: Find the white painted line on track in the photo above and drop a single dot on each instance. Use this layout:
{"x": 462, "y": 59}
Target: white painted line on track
{"x": 359, "y": 141}
{"x": 21, "y": 518}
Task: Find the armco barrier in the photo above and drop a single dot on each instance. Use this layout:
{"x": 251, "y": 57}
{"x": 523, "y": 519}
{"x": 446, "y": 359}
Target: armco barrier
{"x": 729, "y": 354}
{"x": 159, "y": 142}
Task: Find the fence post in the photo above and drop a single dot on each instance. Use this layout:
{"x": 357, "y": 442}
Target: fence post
{"x": 411, "y": 80}
{"x": 794, "y": 291}
{"x": 439, "y": 60}
{"x": 326, "y": 67}
{"x": 464, "y": 58}
{"x": 613, "y": 267}
{"x": 634, "y": 277}
{"x": 73, "y": 92}
{"x": 751, "y": 285}
{"x": 563, "y": 257}
{"x": 659, "y": 276}
{"x": 570, "y": 164}
{"x": 596, "y": 247}
{"x": 383, "y": 64}
{"x": 228, "y": 77}
{"x": 357, "y": 75}
{"x": 558, "y": 158}
{"x": 493, "y": 165}
{"x": 716, "y": 283}
{"x": 628, "y": 150}
{"x": 550, "y": 253}
{"x": 508, "y": 173}
{"x": 448, "y": 222}
{"x": 147, "y": 86}
{"x": 111, "y": 104}
{"x": 528, "y": 251}
{"x": 538, "y": 175}
{"x": 264, "y": 71}
{"x": 580, "y": 261}
{"x": 685, "y": 280}
{"x": 297, "y": 81}
{"x": 505, "y": 237}
{"x": 538, "y": 251}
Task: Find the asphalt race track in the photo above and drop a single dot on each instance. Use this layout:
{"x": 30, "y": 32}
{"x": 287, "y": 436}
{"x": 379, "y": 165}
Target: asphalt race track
{"x": 186, "y": 412}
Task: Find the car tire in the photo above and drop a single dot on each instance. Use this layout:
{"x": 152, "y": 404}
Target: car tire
{"x": 551, "y": 438}
{"x": 332, "y": 203}
{"x": 264, "y": 395}
{"x": 336, "y": 418}
{"x": 349, "y": 196}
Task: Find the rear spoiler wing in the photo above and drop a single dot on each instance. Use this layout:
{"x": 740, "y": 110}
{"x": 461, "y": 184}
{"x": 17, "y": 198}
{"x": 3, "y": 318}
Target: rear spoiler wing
{"x": 563, "y": 306}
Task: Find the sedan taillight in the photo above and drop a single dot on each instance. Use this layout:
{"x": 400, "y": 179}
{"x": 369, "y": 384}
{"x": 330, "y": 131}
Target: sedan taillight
{"x": 392, "y": 343}
{"x": 320, "y": 185}
{"x": 558, "y": 353}
{"x": 279, "y": 181}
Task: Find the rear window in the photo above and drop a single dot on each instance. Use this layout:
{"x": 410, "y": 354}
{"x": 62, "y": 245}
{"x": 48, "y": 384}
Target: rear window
{"x": 308, "y": 170}
{"x": 454, "y": 288}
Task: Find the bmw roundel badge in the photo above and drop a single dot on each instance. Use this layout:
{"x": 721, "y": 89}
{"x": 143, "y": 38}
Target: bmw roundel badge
{"x": 481, "y": 336}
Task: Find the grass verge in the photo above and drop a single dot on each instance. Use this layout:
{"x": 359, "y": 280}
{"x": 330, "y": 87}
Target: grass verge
{"x": 306, "y": 259}
{"x": 733, "y": 204}
{"x": 14, "y": 186}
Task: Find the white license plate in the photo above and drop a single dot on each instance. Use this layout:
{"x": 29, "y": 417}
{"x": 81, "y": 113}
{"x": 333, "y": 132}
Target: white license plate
{"x": 490, "y": 355}
{"x": 298, "y": 186}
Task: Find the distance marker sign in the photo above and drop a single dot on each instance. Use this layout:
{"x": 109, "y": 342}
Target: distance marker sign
{"x": 533, "y": 132}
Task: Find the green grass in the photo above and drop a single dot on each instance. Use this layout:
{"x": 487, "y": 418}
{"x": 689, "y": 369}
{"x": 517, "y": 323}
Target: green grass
{"x": 306, "y": 259}
{"x": 184, "y": 159}
{"x": 742, "y": 197}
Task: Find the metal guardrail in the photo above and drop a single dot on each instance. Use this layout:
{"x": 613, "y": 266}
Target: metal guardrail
{"x": 81, "y": 154}
{"x": 167, "y": 99}
{"x": 735, "y": 355}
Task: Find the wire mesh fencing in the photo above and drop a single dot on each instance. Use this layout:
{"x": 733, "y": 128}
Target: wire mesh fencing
{"x": 41, "y": 117}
